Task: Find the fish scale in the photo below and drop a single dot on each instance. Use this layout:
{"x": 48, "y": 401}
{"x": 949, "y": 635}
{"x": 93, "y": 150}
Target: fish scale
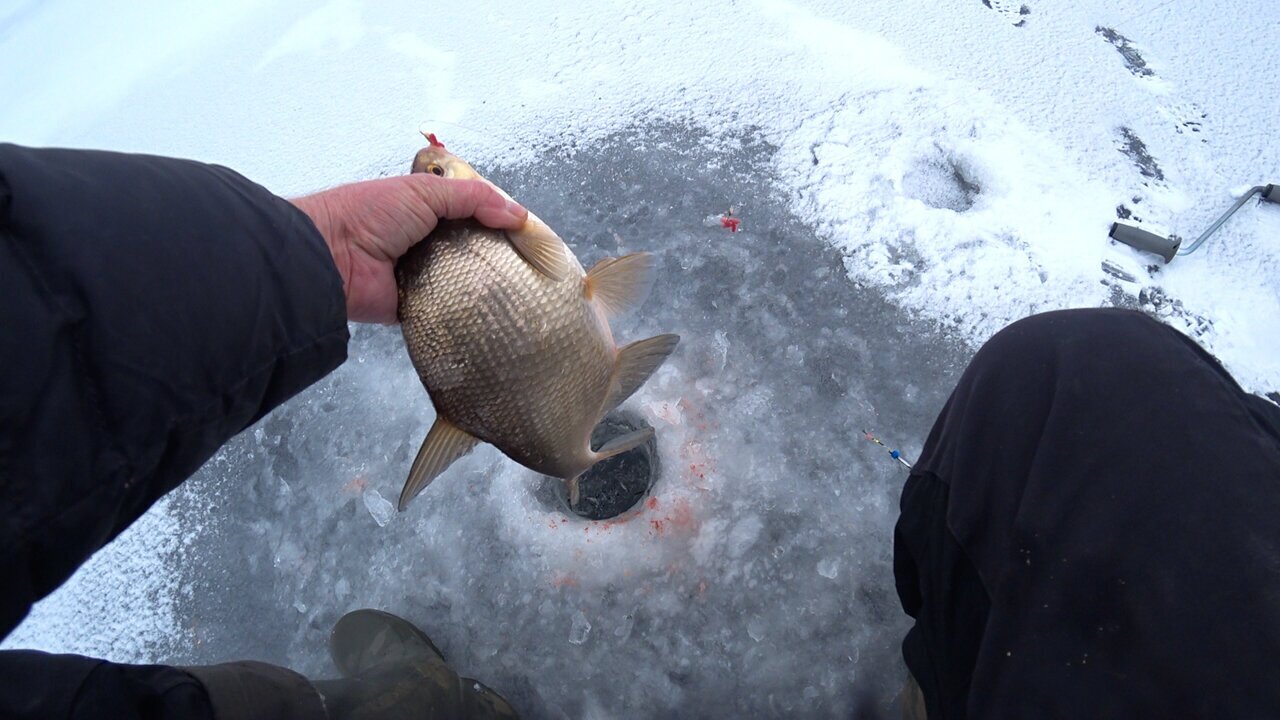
{"x": 474, "y": 356}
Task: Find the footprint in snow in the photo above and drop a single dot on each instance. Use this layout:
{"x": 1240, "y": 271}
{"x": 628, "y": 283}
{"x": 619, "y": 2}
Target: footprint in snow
{"x": 1187, "y": 118}
{"x": 1013, "y": 11}
{"x": 1136, "y": 150}
{"x": 1129, "y": 52}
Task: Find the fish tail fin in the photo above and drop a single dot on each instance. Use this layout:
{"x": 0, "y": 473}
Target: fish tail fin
{"x": 622, "y": 283}
{"x": 636, "y": 362}
{"x": 444, "y": 444}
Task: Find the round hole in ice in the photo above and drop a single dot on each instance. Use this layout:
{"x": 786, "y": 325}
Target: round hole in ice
{"x": 617, "y": 484}
{"x": 942, "y": 180}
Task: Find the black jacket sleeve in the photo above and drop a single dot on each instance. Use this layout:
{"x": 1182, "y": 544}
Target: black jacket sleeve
{"x": 40, "y": 685}
{"x": 150, "y": 309}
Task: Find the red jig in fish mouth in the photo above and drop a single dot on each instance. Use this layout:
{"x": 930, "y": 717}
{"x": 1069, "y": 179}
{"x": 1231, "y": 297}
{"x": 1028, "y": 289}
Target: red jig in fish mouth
{"x": 431, "y": 138}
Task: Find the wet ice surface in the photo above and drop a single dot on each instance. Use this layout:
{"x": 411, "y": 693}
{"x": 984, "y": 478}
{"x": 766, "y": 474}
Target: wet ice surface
{"x": 756, "y": 577}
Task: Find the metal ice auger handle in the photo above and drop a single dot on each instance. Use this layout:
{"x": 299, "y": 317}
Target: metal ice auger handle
{"x": 1270, "y": 193}
{"x": 1168, "y": 247}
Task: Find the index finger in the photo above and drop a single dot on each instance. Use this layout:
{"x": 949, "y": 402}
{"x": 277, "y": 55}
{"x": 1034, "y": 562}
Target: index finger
{"x": 454, "y": 198}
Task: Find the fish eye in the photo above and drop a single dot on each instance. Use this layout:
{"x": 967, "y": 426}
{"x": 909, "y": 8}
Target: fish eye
{"x": 435, "y": 169}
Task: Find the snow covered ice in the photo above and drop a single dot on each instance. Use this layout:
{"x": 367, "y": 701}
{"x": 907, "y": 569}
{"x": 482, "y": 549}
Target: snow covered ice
{"x": 910, "y": 177}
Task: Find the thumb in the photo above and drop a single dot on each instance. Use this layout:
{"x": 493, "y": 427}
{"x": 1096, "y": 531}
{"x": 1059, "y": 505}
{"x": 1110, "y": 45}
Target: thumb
{"x": 454, "y": 198}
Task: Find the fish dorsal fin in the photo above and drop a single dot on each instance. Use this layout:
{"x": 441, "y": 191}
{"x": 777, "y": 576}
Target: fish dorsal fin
{"x": 445, "y": 443}
{"x": 541, "y": 247}
{"x": 636, "y": 362}
{"x": 621, "y": 284}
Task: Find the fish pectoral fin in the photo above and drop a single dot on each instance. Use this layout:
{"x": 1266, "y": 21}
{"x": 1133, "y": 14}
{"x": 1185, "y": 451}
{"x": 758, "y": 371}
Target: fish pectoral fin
{"x": 445, "y": 443}
{"x": 621, "y": 284}
{"x": 623, "y": 443}
{"x": 636, "y": 362}
{"x": 541, "y": 247}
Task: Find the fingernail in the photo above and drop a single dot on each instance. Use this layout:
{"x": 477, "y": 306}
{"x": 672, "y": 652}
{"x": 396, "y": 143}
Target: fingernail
{"x": 516, "y": 210}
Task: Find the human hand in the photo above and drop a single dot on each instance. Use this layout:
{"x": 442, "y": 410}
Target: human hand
{"x": 369, "y": 225}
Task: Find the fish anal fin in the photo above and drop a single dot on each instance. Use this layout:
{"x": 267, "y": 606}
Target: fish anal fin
{"x": 621, "y": 284}
{"x": 636, "y": 362}
{"x": 445, "y": 443}
{"x": 574, "y": 492}
{"x": 541, "y": 247}
{"x": 623, "y": 443}
{"x": 616, "y": 446}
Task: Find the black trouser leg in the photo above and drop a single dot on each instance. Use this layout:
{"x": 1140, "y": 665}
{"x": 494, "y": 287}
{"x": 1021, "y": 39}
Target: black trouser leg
{"x": 940, "y": 588}
{"x": 1093, "y": 530}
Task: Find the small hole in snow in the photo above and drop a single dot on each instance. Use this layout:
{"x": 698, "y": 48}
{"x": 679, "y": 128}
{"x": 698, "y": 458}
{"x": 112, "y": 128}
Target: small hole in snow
{"x": 941, "y": 181}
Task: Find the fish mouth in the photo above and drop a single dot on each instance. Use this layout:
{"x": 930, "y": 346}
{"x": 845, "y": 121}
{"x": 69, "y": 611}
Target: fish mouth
{"x": 614, "y": 485}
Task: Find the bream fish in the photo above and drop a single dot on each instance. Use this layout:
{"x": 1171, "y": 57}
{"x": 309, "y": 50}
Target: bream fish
{"x": 512, "y": 341}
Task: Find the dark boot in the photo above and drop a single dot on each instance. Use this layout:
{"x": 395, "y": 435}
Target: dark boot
{"x": 392, "y": 670}
{"x": 363, "y": 639}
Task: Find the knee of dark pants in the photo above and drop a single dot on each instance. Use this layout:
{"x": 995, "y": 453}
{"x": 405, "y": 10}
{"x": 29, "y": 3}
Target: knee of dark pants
{"x": 1093, "y": 340}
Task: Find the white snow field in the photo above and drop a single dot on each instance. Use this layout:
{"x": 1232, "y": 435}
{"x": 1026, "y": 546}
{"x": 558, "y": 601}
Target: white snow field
{"x": 911, "y": 176}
